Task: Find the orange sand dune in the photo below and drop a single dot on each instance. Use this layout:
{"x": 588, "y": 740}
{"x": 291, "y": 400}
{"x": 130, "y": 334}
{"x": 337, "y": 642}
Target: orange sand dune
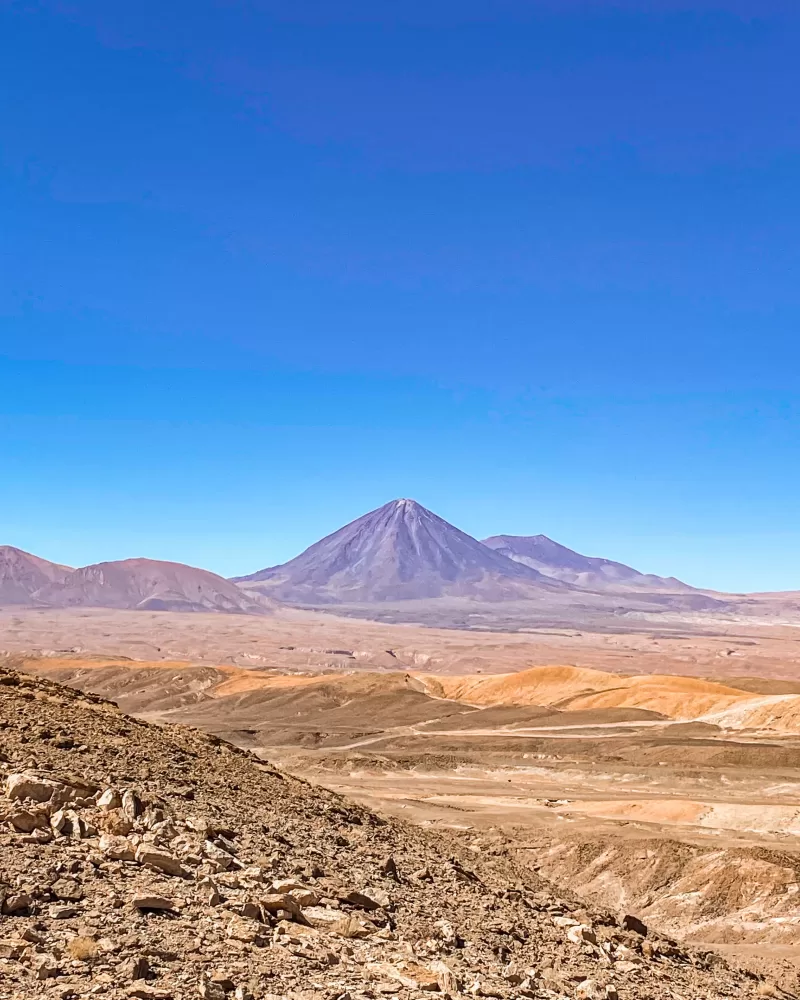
{"x": 576, "y": 688}
{"x": 676, "y": 697}
{"x": 537, "y": 686}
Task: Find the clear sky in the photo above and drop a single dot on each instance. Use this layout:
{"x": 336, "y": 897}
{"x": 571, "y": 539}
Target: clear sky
{"x": 267, "y": 265}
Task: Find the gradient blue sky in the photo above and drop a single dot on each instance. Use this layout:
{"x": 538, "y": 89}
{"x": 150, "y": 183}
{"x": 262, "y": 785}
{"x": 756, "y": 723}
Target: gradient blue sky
{"x": 267, "y": 265}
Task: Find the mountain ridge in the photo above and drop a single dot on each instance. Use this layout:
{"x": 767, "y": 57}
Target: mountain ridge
{"x": 127, "y": 584}
{"x": 561, "y": 563}
{"x": 22, "y": 573}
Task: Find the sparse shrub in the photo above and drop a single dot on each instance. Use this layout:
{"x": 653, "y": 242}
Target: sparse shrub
{"x": 83, "y": 949}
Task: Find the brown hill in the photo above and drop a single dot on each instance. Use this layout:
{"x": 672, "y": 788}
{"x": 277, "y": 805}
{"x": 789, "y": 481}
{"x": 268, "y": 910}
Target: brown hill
{"x": 160, "y": 862}
{"x": 401, "y": 551}
{"x": 22, "y": 574}
{"x": 557, "y": 561}
{"x": 149, "y": 585}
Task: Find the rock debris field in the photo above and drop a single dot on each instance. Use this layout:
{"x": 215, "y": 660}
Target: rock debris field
{"x": 149, "y": 862}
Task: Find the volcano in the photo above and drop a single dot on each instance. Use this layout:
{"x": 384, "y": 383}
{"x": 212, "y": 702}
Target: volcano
{"x": 560, "y": 563}
{"x": 401, "y": 551}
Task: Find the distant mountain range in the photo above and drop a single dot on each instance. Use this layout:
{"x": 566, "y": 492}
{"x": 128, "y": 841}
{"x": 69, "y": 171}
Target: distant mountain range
{"x": 402, "y": 551}
{"x": 399, "y": 552}
{"x": 141, "y": 584}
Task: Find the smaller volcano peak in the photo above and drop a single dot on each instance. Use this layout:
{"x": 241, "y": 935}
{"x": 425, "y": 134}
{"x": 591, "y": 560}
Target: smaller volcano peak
{"x": 560, "y": 563}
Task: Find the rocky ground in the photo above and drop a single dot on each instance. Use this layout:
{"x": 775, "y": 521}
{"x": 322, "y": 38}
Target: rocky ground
{"x": 138, "y": 861}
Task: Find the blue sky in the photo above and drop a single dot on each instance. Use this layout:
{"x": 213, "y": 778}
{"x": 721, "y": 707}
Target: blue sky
{"x": 264, "y": 266}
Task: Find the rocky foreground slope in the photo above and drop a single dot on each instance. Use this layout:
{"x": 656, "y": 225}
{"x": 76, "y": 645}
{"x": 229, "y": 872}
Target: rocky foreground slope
{"x": 148, "y": 862}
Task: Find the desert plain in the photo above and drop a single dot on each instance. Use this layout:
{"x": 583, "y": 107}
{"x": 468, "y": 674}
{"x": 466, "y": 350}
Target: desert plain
{"x": 654, "y": 769}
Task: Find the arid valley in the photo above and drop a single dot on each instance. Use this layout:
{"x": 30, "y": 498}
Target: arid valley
{"x": 656, "y": 770}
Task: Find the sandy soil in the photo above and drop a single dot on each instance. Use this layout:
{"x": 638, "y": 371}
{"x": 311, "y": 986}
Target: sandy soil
{"x": 293, "y": 641}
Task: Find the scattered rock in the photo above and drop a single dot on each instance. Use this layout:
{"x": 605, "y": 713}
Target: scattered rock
{"x": 369, "y": 899}
{"x": 242, "y": 929}
{"x": 223, "y": 982}
{"x": 163, "y": 861}
{"x": 117, "y": 848}
{"x": 16, "y": 903}
{"x": 142, "y": 991}
{"x": 581, "y": 934}
{"x": 446, "y": 932}
{"x": 282, "y": 902}
{"x": 110, "y": 799}
{"x": 389, "y": 868}
{"x": 323, "y": 917}
{"x": 409, "y": 974}
{"x": 209, "y": 892}
{"x": 136, "y": 967}
{"x": 11, "y": 948}
{"x": 28, "y": 820}
{"x": 30, "y": 786}
{"x": 146, "y": 901}
{"x": 631, "y": 923}
{"x": 67, "y": 823}
{"x": 68, "y": 890}
{"x": 210, "y": 990}
{"x": 353, "y": 926}
{"x": 131, "y": 804}
{"x": 45, "y": 967}
{"x": 448, "y": 981}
